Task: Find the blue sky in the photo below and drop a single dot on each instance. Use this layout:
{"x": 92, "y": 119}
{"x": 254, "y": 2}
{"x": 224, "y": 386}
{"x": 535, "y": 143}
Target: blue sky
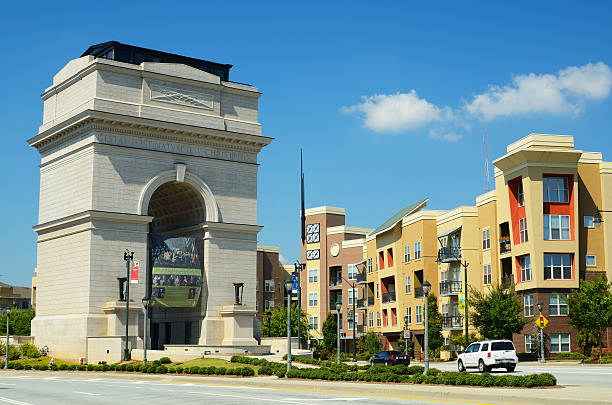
{"x": 389, "y": 100}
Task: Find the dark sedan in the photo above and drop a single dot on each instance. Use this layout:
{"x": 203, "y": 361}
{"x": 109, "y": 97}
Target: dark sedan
{"x": 390, "y": 358}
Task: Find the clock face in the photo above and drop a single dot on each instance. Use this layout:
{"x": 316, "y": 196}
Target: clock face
{"x": 312, "y": 233}
{"x": 313, "y": 254}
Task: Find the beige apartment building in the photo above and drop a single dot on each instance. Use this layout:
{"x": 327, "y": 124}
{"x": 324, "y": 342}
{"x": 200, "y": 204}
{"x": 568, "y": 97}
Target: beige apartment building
{"x": 333, "y": 254}
{"x": 538, "y": 229}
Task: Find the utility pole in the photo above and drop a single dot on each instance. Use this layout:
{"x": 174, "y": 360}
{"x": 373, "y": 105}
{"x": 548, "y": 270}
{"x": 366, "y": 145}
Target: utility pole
{"x": 127, "y": 256}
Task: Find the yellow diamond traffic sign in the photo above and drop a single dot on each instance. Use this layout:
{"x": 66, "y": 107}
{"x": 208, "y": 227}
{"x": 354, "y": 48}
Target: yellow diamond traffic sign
{"x": 541, "y": 321}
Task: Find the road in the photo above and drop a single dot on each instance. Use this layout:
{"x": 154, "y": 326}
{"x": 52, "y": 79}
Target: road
{"x": 43, "y": 388}
{"x": 572, "y": 374}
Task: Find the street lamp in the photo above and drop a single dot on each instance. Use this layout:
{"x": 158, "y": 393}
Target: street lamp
{"x": 426, "y": 289}
{"x": 269, "y": 315}
{"x": 405, "y": 334}
{"x": 8, "y": 316}
{"x": 288, "y": 286}
{"x": 543, "y": 359}
{"x": 127, "y": 256}
{"x": 338, "y": 309}
{"x": 146, "y": 301}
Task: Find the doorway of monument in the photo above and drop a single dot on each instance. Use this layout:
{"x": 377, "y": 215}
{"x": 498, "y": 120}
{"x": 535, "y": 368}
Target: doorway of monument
{"x": 178, "y": 210}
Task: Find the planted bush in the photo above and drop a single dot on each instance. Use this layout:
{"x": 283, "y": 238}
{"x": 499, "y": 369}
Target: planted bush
{"x": 29, "y": 350}
{"x": 165, "y": 360}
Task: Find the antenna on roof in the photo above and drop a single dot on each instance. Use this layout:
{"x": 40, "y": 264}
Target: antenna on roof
{"x": 486, "y": 167}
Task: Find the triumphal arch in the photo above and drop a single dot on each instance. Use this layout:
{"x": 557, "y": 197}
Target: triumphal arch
{"x": 139, "y": 146}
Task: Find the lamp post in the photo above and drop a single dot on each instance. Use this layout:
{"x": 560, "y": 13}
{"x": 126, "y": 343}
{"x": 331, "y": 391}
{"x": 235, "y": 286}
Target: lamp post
{"x": 597, "y": 220}
{"x": 127, "y": 256}
{"x": 465, "y": 265}
{"x": 269, "y": 315}
{"x": 542, "y": 356}
{"x": 288, "y": 286}
{"x": 146, "y": 301}
{"x": 338, "y": 309}
{"x": 298, "y": 271}
{"x": 426, "y": 289}
{"x": 405, "y": 329}
{"x": 8, "y": 316}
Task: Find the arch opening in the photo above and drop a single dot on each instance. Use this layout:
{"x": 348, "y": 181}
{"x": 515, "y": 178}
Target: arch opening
{"x": 175, "y": 205}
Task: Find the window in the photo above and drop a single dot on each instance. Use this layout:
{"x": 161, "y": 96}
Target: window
{"x": 409, "y": 314}
{"x": 559, "y": 342}
{"x": 528, "y": 304}
{"x": 313, "y": 299}
{"x": 520, "y": 194}
{"x": 555, "y": 189}
{"x": 269, "y": 286}
{"x": 352, "y": 295}
{"x": 529, "y": 343}
{"x": 591, "y": 260}
{"x": 313, "y": 275}
{"x": 525, "y": 264}
{"x": 589, "y": 222}
{"x": 486, "y": 274}
{"x": 484, "y": 347}
{"x": 557, "y": 304}
{"x": 377, "y": 290}
{"x": 557, "y": 266}
{"x": 313, "y": 321}
{"x": 406, "y": 253}
{"x": 269, "y": 304}
{"x": 418, "y": 310}
{"x": 369, "y": 264}
{"x": 352, "y": 272}
{"x": 407, "y": 285}
{"x": 556, "y": 227}
{"x": 378, "y": 320}
{"x": 376, "y": 263}
{"x": 523, "y": 230}
{"x": 417, "y": 250}
{"x": 486, "y": 239}
{"x": 371, "y": 319}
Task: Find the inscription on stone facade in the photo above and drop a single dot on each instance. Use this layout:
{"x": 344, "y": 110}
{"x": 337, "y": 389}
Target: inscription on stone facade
{"x": 176, "y": 147}
{"x": 181, "y": 96}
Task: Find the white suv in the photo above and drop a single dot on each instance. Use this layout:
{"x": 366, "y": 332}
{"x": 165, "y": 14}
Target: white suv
{"x": 488, "y": 354}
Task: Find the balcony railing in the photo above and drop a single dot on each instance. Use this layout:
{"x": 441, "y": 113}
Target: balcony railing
{"x": 332, "y": 305}
{"x": 507, "y": 280}
{"x": 450, "y": 322}
{"x": 335, "y": 282}
{"x": 370, "y": 301}
{"x": 388, "y": 297}
{"x": 505, "y": 245}
{"x": 362, "y": 303}
{"x": 450, "y": 287}
{"x": 447, "y": 254}
{"x": 362, "y": 278}
{"x": 418, "y": 292}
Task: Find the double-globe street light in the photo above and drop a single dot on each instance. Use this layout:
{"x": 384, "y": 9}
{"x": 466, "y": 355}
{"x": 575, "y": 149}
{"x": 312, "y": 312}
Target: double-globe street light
{"x": 338, "y": 309}
{"x": 8, "y": 316}
{"x": 146, "y": 301}
{"x": 426, "y": 288}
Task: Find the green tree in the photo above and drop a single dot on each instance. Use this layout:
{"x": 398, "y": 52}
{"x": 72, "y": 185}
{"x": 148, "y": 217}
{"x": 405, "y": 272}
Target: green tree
{"x": 19, "y": 322}
{"x": 434, "y": 322}
{"x": 590, "y": 311}
{"x": 278, "y": 323}
{"x": 329, "y": 329}
{"x": 369, "y": 343}
{"x": 497, "y": 313}
{"x": 459, "y": 340}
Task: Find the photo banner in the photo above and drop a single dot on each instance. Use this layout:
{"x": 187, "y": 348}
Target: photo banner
{"x": 176, "y": 271}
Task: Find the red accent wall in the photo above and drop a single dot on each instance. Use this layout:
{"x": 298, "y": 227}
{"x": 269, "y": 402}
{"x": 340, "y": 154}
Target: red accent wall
{"x": 516, "y": 212}
{"x": 384, "y": 316}
{"x": 393, "y": 317}
{"x": 390, "y": 257}
{"x": 550, "y": 208}
{"x": 381, "y": 260}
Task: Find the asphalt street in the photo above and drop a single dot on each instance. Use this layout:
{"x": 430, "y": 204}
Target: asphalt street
{"x": 49, "y": 389}
{"x": 567, "y": 374}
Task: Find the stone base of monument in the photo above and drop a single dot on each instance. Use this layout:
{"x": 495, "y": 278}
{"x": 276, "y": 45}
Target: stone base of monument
{"x": 189, "y": 352}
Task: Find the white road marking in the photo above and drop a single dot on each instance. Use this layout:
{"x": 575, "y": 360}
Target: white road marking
{"x": 14, "y": 401}
{"x": 86, "y": 393}
{"x": 284, "y": 401}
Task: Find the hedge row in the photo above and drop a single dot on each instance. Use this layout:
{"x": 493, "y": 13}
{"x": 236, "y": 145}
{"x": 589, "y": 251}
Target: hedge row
{"x": 433, "y": 377}
{"x": 266, "y": 367}
{"x": 149, "y": 368}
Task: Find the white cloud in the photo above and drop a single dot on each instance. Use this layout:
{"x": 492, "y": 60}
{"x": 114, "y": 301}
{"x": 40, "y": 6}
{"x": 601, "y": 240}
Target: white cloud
{"x": 397, "y": 112}
{"x": 281, "y": 258}
{"x": 562, "y": 93}
{"x": 449, "y": 137}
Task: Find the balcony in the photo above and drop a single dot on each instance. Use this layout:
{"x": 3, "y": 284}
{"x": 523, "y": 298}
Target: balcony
{"x": 362, "y": 303}
{"x": 504, "y": 245}
{"x": 447, "y": 254}
{"x": 370, "y": 301}
{"x": 507, "y": 281}
{"x": 335, "y": 282}
{"x": 362, "y": 278}
{"x": 360, "y": 328}
{"x": 418, "y": 292}
{"x": 452, "y": 322}
{"x": 388, "y": 297}
{"x": 450, "y": 288}
{"x": 332, "y": 305}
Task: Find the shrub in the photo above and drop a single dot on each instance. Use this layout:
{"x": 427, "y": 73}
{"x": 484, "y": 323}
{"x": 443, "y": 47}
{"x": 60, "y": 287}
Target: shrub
{"x": 53, "y": 367}
{"x": 72, "y": 366}
{"x": 43, "y": 367}
{"x": 248, "y": 371}
{"x": 178, "y": 370}
{"x": 92, "y": 367}
{"x": 81, "y": 367}
{"x": 570, "y": 355}
{"x": 545, "y": 380}
{"x": 105, "y": 367}
{"x": 161, "y": 369}
{"x": 433, "y": 371}
{"x": 129, "y": 367}
{"x": 280, "y": 373}
{"x": 220, "y": 371}
{"x": 194, "y": 370}
{"x": 165, "y": 360}
{"x": 29, "y": 350}
{"x": 19, "y": 366}
{"x": 416, "y": 370}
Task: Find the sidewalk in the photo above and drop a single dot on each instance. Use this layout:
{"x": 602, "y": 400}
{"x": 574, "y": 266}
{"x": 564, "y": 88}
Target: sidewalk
{"x": 464, "y": 395}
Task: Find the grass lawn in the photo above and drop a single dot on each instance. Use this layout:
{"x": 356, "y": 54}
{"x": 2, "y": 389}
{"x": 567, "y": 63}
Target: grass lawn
{"x": 208, "y": 363}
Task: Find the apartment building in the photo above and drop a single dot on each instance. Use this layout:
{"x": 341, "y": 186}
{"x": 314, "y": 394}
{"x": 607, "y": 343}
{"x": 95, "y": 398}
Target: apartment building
{"x": 333, "y": 254}
{"x": 271, "y": 275}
